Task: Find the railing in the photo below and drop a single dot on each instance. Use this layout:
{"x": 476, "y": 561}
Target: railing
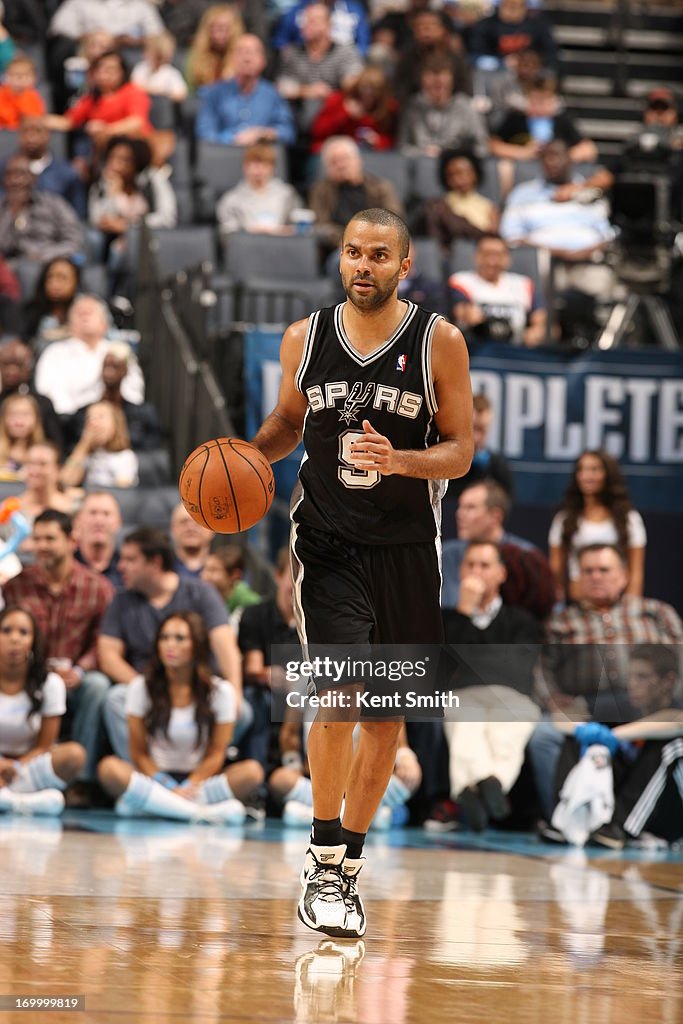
{"x": 180, "y": 383}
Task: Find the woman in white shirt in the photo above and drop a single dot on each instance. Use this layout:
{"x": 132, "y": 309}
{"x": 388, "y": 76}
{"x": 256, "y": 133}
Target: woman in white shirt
{"x": 596, "y": 509}
{"x": 34, "y": 768}
{"x": 180, "y": 722}
{"x": 103, "y": 456}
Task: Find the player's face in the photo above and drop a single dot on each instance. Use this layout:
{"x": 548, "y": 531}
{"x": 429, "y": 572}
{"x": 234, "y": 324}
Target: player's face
{"x": 371, "y": 264}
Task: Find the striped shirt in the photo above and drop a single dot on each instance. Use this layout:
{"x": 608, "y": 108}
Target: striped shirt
{"x": 588, "y": 649}
{"x": 338, "y": 63}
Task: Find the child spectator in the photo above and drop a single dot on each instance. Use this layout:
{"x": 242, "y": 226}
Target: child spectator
{"x": 260, "y": 202}
{"x": 34, "y": 768}
{"x": 18, "y": 94}
{"x": 224, "y": 569}
{"x": 156, "y": 74}
{"x": 20, "y": 429}
{"x": 180, "y": 722}
{"x": 103, "y": 456}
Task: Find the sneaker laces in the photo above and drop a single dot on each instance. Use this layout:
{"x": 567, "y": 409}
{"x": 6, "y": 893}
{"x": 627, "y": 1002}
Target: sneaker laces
{"x": 350, "y": 891}
{"x": 328, "y": 882}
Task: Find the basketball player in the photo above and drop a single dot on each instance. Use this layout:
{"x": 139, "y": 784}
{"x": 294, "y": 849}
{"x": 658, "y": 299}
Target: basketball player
{"x": 380, "y": 391}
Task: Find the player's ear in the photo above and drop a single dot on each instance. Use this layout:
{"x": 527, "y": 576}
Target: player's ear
{"x": 405, "y": 267}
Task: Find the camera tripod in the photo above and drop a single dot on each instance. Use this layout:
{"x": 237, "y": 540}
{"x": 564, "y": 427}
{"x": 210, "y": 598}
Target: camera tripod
{"x": 624, "y": 318}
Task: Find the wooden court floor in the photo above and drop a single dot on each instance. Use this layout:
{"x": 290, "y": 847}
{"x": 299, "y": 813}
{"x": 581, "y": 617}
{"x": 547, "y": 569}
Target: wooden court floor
{"x": 158, "y": 922}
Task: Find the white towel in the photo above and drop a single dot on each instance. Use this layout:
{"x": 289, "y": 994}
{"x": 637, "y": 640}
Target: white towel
{"x": 587, "y": 798}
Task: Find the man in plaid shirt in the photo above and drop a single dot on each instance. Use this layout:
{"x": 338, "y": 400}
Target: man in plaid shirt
{"x": 67, "y": 601}
{"x": 587, "y": 653}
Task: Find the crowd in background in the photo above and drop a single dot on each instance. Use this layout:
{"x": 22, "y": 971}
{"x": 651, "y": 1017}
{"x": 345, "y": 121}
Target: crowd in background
{"x": 135, "y": 664}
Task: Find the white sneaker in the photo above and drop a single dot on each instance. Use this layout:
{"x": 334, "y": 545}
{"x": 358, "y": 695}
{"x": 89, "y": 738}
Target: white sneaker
{"x": 322, "y": 905}
{"x": 48, "y": 802}
{"x": 355, "y": 911}
{"x": 296, "y": 813}
{"x": 226, "y": 812}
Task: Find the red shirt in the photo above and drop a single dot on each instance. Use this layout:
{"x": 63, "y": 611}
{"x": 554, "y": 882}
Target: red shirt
{"x": 128, "y": 101}
{"x": 334, "y": 119}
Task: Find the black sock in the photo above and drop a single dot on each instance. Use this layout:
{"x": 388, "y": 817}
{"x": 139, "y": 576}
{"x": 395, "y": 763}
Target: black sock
{"x": 326, "y": 833}
{"x": 354, "y": 842}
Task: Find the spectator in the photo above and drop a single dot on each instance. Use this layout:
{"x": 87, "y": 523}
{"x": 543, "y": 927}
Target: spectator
{"x": 142, "y": 420}
{"x": 19, "y": 97}
{"x": 224, "y": 569}
{"x": 438, "y": 118}
{"x": 35, "y": 225}
{"x": 365, "y": 110}
{"x": 596, "y": 509}
{"x": 545, "y": 212}
{"x": 125, "y": 194}
{"x": 271, "y": 622}
{"x": 349, "y": 24}
{"x": 585, "y": 661}
{"x": 647, "y": 793}
{"x": 507, "y": 90}
{"x": 191, "y": 543}
{"x": 393, "y": 29}
{"x": 345, "y": 189}
{"x": 96, "y": 529}
{"x": 153, "y": 591}
{"x": 112, "y": 107}
{"x": 7, "y": 47}
{"x": 260, "y": 203}
{"x": 309, "y": 71}
{"x": 495, "y": 648}
{"x": 20, "y": 429}
{"x": 212, "y": 56}
{"x": 103, "y": 456}
{"x": 486, "y": 464}
{"x": 180, "y": 721}
{"x": 492, "y": 304}
{"x": 130, "y": 22}
{"x": 246, "y": 109}
{"x": 462, "y": 212}
{"x": 182, "y": 18}
{"x": 523, "y": 132}
{"x": 43, "y": 490}
{"x": 16, "y": 375}
{"x": 497, "y": 40}
{"x": 70, "y": 372}
{"x": 10, "y": 296}
{"x": 34, "y": 768}
{"x": 481, "y": 514}
{"x": 431, "y": 40}
{"x": 67, "y": 601}
{"x": 588, "y": 641}
{"x": 156, "y": 74}
{"x": 46, "y": 314}
{"x": 78, "y": 68}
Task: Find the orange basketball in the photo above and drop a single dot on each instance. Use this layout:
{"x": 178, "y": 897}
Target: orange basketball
{"x": 226, "y": 485}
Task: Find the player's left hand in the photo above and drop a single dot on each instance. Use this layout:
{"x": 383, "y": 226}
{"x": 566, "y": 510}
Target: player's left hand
{"x": 374, "y": 451}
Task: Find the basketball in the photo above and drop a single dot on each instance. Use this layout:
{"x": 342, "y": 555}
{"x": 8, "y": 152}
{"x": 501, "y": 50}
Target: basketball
{"x": 226, "y": 485}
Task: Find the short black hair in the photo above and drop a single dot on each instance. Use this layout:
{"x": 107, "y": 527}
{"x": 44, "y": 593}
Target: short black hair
{"x": 588, "y": 549}
{"x": 153, "y": 543}
{"x": 387, "y": 219}
{"x": 52, "y": 515}
{"x": 460, "y": 154}
{"x": 481, "y": 542}
{"x": 663, "y": 659}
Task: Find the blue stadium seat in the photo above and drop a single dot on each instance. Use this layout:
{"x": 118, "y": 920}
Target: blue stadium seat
{"x": 183, "y": 247}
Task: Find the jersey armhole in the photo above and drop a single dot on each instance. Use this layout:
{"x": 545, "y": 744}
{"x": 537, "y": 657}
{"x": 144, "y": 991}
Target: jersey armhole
{"x": 308, "y": 348}
{"x": 427, "y": 339}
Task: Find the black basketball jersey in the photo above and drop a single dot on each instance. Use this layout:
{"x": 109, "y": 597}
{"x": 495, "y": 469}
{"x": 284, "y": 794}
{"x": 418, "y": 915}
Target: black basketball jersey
{"x": 393, "y": 389}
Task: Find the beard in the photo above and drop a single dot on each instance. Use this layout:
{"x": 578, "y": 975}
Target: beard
{"x": 378, "y": 296}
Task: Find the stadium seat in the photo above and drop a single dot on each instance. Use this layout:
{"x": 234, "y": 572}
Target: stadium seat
{"x": 94, "y": 279}
{"x": 180, "y": 164}
{"x": 162, "y": 113}
{"x": 393, "y": 166}
{"x": 154, "y": 468}
{"x": 183, "y": 247}
{"x": 426, "y": 184}
{"x": 428, "y": 259}
{"x": 526, "y": 170}
{"x": 490, "y": 185}
{"x": 461, "y": 255}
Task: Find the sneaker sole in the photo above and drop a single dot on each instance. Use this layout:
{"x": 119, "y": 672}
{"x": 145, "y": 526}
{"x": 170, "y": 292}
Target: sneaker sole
{"x": 609, "y": 844}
